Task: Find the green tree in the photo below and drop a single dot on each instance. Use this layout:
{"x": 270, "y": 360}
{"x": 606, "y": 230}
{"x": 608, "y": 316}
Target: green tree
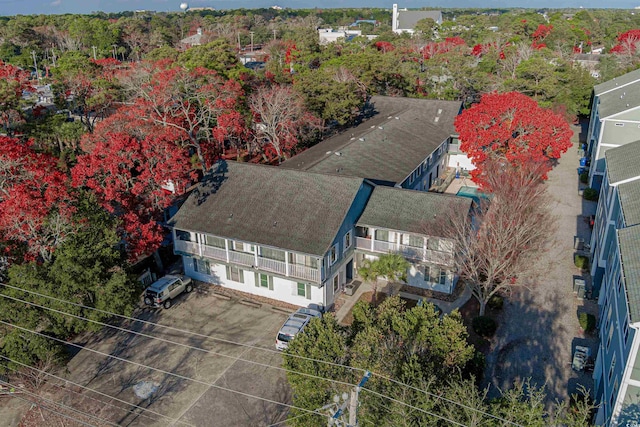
{"x": 390, "y": 267}
{"x": 414, "y": 346}
{"x": 86, "y": 269}
{"x": 217, "y": 55}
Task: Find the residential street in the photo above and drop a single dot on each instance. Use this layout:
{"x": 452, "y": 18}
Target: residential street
{"x": 539, "y": 328}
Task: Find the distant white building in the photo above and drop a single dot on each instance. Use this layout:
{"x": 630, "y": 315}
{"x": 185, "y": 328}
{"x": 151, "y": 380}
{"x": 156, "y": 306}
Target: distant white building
{"x": 404, "y": 21}
{"x": 328, "y": 35}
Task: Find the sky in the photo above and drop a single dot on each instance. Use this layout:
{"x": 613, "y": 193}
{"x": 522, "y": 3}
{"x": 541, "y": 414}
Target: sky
{"x": 26, "y": 7}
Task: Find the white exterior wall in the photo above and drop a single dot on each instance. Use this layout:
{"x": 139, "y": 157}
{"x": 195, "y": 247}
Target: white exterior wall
{"x": 415, "y": 278}
{"x": 283, "y": 289}
{"x": 462, "y": 161}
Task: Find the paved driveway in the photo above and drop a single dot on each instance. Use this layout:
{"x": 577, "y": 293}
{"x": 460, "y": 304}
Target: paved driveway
{"x": 539, "y": 327}
{"x": 189, "y": 402}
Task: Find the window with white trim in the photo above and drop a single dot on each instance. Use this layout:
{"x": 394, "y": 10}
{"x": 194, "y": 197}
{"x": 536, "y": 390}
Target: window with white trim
{"x": 433, "y": 274}
{"x": 333, "y": 254}
{"x": 243, "y": 247}
{"x": 336, "y": 283}
{"x": 347, "y": 240}
{"x": 610, "y": 336}
{"x": 201, "y": 266}
{"x": 217, "y": 242}
{"x": 613, "y": 366}
{"x": 303, "y": 290}
{"x": 625, "y": 332}
{"x": 235, "y": 274}
{"x": 264, "y": 281}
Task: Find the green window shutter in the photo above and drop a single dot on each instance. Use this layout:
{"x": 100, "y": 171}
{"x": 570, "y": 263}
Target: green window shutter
{"x": 257, "y": 280}
{"x": 241, "y": 275}
{"x": 270, "y": 283}
{"x": 228, "y": 273}
{"x": 301, "y": 290}
{"x": 308, "y": 291}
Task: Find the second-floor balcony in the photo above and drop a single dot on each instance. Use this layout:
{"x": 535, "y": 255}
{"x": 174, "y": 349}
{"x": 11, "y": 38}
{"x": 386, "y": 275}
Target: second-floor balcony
{"x": 288, "y": 269}
{"x": 410, "y": 252}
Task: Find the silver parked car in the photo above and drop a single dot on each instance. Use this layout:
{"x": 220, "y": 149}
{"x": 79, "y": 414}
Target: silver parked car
{"x": 294, "y": 325}
{"x": 164, "y": 290}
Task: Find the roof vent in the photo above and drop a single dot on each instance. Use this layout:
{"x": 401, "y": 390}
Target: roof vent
{"x": 352, "y": 138}
{"x": 373, "y": 126}
{"x": 380, "y": 127}
{"x": 389, "y": 117}
{"x": 275, "y": 223}
{"x": 397, "y": 118}
{"x": 338, "y": 153}
{"x": 328, "y": 152}
{"x": 437, "y": 119}
{"x": 439, "y": 111}
{"x": 361, "y": 139}
{"x": 231, "y": 215}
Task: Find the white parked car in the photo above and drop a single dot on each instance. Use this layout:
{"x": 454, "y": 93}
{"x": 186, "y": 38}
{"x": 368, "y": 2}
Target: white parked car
{"x": 294, "y": 325}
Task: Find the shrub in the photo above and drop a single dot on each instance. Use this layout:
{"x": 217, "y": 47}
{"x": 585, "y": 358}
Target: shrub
{"x": 484, "y": 326}
{"x": 496, "y": 302}
{"x": 584, "y": 177}
{"x": 587, "y": 321}
{"x": 590, "y": 194}
{"x": 581, "y": 261}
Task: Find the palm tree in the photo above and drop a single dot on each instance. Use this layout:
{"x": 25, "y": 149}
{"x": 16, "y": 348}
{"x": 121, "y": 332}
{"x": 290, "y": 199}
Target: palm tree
{"x": 389, "y": 266}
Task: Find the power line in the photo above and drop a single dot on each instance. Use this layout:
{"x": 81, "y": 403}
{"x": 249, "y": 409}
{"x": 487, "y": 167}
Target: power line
{"x": 34, "y": 403}
{"x": 160, "y": 370}
{"x": 414, "y": 407}
{"x": 446, "y": 400}
{"x": 61, "y": 405}
{"x": 171, "y": 328}
{"x": 236, "y": 358}
{"x": 132, "y": 411}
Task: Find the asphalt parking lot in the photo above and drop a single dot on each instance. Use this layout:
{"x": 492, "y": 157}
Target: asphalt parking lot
{"x": 178, "y": 400}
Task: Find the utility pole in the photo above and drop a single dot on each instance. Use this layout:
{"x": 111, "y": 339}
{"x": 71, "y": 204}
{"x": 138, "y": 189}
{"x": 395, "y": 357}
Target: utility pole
{"x": 53, "y": 56}
{"x": 94, "y": 53}
{"x": 353, "y": 404}
{"x": 239, "y": 44}
{"x": 35, "y": 64}
{"x": 274, "y": 34}
{"x": 251, "y": 33}
{"x": 348, "y": 400}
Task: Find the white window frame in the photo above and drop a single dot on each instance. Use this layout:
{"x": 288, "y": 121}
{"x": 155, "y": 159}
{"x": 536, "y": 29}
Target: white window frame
{"x": 348, "y": 241}
{"x": 307, "y": 290}
{"x": 230, "y": 273}
{"x": 259, "y": 284}
{"x": 206, "y": 266}
{"x": 333, "y": 254}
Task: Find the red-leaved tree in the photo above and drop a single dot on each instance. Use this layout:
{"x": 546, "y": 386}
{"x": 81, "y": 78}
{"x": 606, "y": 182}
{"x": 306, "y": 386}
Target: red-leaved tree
{"x": 131, "y": 174}
{"x": 512, "y": 129}
{"x": 199, "y": 104}
{"x": 35, "y": 202}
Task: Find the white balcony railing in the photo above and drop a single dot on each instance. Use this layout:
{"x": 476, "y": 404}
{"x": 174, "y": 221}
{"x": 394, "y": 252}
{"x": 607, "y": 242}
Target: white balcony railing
{"x": 407, "y": 251}
{"x": 186, "y": 247}
{"x": 248, "y": 259}
{"x": 304, "y": 272}
{"x": 215, "y": 253}
{"x": 272, "y": 265}
{"x": 242, "y": 258}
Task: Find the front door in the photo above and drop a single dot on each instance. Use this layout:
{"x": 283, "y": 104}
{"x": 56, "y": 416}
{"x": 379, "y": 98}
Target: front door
{"x": 349, "y": 271}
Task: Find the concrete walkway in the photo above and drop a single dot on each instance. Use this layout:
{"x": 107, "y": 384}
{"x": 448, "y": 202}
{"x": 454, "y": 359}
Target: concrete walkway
{"x": 538, "y": 328}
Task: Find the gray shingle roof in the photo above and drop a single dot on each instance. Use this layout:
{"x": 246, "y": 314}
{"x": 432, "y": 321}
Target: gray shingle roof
{"x": 617, "y": 82}
{"x": 388, "y": 146}
{"x": 629, "y": 242}
{"x": 298, "y": 211}
{"x": 623, "y": 162}
{"x": 408, "y": 19}
{"x": 412, "y": 211}
{"x": 629, "y": 194}
{"x": 619, "y": 100}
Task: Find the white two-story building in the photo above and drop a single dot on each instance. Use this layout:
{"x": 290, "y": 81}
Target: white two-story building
{"x": 293, "y": 235}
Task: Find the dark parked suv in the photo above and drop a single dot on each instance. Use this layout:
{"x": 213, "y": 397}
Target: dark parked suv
{"x": 164, "y": 290}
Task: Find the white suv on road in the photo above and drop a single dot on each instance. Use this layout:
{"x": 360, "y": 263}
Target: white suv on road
{"x": 294, "y": 325}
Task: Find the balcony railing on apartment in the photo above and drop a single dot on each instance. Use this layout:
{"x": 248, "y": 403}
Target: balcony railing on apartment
{"x": 409, "y": 252}
{"x": 248, "y": 259}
